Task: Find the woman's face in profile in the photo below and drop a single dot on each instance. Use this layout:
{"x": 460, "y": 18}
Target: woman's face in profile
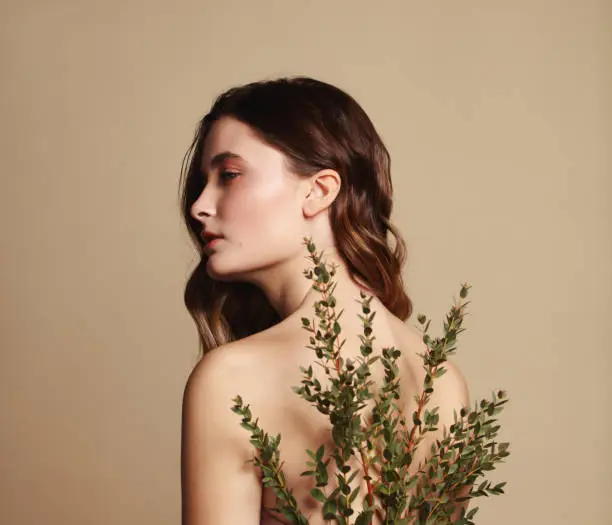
{"x": 250, "y": 198}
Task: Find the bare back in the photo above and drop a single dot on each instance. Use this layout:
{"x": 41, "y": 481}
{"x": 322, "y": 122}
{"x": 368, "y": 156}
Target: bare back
{"x": 276, "y": 368}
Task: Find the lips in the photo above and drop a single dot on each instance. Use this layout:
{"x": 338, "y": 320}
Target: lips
{"x": 210, "y": 237}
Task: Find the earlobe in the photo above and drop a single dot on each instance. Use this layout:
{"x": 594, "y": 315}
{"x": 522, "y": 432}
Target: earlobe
{"x": 310, "y": 207}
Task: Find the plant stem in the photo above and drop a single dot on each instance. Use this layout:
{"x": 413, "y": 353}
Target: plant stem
{"x": 422, "y": 400}
{"x": 365, "y": 469}
{"x": 332, "y": 319}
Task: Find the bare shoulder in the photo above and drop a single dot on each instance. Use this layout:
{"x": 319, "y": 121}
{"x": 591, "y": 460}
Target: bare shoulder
{"x": 450, "y": 394}
{"x": 452, "y": 387}
{"x": 243, "y": 367}
{"x": 222, "y": 358}
{"x": 226, "y": 368}
{"x": 451, "y": 390}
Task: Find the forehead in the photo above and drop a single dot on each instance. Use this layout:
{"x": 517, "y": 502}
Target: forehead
{"x": 227, "y": 130}
{"x": 230, "y": 135}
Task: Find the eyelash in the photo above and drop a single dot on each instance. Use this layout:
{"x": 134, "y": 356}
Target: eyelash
{"x": 223, "y": 175}
{"x": 226, "y": 172}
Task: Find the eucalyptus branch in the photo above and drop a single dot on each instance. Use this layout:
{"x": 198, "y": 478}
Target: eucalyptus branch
{"x": 269, "y": 463}
{"x": 466, "y": 451}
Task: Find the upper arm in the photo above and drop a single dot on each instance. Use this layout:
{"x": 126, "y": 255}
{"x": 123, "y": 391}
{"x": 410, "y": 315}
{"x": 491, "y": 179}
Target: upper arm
{"x": 218, "y": 487}
{"x": 450, "y": 394}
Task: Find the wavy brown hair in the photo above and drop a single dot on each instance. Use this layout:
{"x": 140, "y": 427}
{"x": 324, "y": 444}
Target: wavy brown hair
{"x": 316, "y": 126}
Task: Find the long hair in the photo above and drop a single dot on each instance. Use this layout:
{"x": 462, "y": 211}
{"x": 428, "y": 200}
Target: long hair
{"x": 316, "y": 126}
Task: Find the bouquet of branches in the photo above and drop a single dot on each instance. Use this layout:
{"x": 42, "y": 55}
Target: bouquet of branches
{"x": 467, "y": 449}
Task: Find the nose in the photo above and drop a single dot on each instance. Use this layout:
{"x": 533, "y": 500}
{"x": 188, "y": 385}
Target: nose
{"x": 203, "y": 205}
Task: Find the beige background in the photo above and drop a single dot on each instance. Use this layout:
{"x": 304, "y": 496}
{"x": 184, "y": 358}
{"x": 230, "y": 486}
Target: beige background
{"x": 497, "y": 115}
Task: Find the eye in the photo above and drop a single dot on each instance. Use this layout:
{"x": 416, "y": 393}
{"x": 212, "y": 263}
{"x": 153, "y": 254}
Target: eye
{"x": 229, "y": 175}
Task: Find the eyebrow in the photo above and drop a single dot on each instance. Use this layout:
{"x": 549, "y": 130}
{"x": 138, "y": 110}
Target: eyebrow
{"x": 220, "y": 157}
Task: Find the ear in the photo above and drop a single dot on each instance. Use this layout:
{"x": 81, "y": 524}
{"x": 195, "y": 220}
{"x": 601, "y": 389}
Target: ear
{"x": 323, "y": 187}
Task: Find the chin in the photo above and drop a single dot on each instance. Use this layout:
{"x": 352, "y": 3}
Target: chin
{"x": 218, "y": 274}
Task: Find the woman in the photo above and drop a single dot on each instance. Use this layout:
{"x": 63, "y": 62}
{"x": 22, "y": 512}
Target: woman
{"x": 274, "y": 162}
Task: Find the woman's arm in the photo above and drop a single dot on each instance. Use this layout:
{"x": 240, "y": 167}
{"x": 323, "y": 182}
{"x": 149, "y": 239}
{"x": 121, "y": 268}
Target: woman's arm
{"x": 218, "y": 487}
{"x": 451, "y": 394}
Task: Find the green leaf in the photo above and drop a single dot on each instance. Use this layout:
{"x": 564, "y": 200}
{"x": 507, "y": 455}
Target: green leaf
{"x": 329, "y": 509}
{"x": 440, "y": 372}
{"x": 290, "y": 515}
{"x": 364, "y": 517}
{"x": 318, "y": 495}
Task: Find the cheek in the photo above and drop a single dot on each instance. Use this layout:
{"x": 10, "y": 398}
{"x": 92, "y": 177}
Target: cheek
{"x": 262, "y": 216}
